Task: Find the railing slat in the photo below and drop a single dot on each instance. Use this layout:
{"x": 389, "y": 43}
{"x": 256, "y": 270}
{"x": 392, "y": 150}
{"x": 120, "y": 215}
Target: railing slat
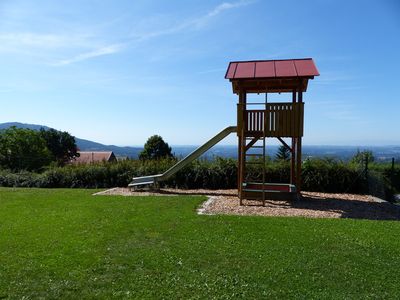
{"x": 292, "y": 120}
{"x": 277, "y": 119}
{"x": 301, "y": 116}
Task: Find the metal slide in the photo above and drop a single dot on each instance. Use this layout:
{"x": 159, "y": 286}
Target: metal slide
{"x": 147, "y": 180}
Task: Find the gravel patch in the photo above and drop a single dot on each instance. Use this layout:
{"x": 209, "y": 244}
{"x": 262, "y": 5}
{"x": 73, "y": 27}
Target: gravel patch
{"x": 312, "y": 204}
{"x": 165, "y": 192}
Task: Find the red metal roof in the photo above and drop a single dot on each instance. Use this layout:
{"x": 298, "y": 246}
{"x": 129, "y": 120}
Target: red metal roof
{"x": 304, "y": 67}
{"x": 86, "y": 157}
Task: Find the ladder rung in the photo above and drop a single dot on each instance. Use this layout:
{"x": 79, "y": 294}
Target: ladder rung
{"x": 254, "y": 154}
{"x": 254, "y": 182}
{"x": 254, "y": 162}
{"x": 260, "y": 191}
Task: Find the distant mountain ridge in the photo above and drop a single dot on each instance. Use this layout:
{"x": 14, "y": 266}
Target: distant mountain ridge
{"x": 83, "y": 145}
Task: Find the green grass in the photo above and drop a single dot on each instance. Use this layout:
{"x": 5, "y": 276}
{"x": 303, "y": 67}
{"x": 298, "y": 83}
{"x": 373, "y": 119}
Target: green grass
{"x": 69, "y": 244}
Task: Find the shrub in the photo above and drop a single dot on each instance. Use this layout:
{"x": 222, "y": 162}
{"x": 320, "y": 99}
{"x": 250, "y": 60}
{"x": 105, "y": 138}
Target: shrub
{"x": 320, "y": 175}
{"x": 327, "y": 175}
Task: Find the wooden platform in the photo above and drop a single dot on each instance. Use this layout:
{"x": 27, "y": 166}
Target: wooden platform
{"x": 271, "y": 191}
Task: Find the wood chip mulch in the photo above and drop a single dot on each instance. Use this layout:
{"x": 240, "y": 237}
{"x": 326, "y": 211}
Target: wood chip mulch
{"x": 311, "y": 205}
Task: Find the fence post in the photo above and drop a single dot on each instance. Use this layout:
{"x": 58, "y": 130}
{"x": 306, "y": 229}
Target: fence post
{"x": 366, "y": 170}
{"x": 392, "y": 173}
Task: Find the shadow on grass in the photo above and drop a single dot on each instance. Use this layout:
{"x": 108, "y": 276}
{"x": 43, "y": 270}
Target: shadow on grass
{"x": 346, "y": 208}
{"x": 354, "y": 209}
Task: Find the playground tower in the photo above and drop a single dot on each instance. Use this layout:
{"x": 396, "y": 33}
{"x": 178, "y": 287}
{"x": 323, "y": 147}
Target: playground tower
{"x": 257, "y": 121}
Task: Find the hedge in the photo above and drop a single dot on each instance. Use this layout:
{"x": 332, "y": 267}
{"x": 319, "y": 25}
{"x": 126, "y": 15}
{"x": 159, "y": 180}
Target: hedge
{"x": 321, "y": 175}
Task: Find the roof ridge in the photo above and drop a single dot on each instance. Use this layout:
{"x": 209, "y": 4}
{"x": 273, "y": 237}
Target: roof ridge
{"x": 261, "y": 60}
{"x": 108, "y": 152}
{"x": 299, "y": 68}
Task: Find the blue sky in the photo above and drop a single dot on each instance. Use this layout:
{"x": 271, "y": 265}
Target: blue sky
{"x": 119, "y": 71}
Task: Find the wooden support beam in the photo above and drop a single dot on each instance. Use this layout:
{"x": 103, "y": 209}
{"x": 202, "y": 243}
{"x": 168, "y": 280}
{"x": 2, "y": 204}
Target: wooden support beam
{"x": 300, "y": 97}
{"x": 298, "y": 154}
{"x": 242, "y": 144}
{"x": 298, "y": 166}
{"x": 293, "y": 163}
{"x": 252, "y": 142}
{"x": 293, "y": 156}
{"x": 239, "y": 163}
{"x": 284, "y": 144}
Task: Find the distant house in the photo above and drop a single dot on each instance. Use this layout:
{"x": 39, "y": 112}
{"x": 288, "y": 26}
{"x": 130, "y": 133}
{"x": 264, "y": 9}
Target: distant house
{"x": 87, "y": 157}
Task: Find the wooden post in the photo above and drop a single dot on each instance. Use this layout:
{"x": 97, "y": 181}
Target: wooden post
{"x": 366, "y": 170}
{"x": 392, "y": 173}
{"x": 293, "y": 153}
{"x": 298, "y": 154}
{"x": 241, "y": 146}
{"x": 298, "y": 166}
{"x": 239, "y": 162}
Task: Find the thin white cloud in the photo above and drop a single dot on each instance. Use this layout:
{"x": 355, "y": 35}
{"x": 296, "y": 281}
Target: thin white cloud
{"x": 331, "y": 78}
{"x": 37, "y": 40}
{"x": 45, "y": 45}
{"x": 226, "y": 6}
{"x": 194, "y": 23}
{"x": 219, "y": 9}
{"x": 106, "y": 50}
{"x": 337, "y": 110}
{"x": 343, "y": 115}
{"x": 211, "y": 71}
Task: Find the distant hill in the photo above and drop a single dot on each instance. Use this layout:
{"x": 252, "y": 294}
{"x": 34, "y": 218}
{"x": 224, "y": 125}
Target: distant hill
{"x": 83, "y": 145}
{"x": 22, "y": 125}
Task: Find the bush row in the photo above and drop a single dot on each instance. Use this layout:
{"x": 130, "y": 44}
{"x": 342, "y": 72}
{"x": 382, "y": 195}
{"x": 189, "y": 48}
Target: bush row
{"x": 322, "y": 175}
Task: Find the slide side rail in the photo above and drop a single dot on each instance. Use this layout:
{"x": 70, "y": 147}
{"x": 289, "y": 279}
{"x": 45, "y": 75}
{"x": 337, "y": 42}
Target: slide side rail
{"x": 146, "y": 180}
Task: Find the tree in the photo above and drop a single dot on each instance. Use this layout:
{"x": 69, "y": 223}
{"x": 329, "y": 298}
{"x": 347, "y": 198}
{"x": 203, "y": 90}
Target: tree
{"x": 362, "y": 156}
{"x": 23, "y": 149}
{"x": 62, "y": 145}
{"x": 155, "y": 148}
{"x": 283, "y": 153}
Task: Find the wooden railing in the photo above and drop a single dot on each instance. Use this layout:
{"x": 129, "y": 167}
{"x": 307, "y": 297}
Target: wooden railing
{"x": 277, "y": 120}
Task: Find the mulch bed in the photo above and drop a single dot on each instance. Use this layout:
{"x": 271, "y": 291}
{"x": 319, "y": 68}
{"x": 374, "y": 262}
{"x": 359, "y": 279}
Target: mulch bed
{"x": 312, "y": 204}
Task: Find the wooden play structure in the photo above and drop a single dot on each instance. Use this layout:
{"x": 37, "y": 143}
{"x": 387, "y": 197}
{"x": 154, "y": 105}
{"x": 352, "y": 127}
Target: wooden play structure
{"x": 257, "y": 121}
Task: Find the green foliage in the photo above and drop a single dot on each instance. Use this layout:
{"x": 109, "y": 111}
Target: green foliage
{"x": 283, "y": 153}
{"x": 68, "y": 244}
{"x": 23, "y": 149}
{"x": 155, "y": 148}
{"x": 221, "y": 173}
{"x": 320, "y": 175}
{"x": 390, "y": 177}
{"x": 363, "y": 156}
{"x": 329, "y": 175}
{"x": 26, "y": 149}
{"x": 62, "y": 145}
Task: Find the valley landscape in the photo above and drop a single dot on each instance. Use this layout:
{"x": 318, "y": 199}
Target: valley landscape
{"x": 381, "y": 153}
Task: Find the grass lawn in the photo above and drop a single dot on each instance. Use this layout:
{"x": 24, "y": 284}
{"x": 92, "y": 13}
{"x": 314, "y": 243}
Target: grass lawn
{"x": 69, "y": 244}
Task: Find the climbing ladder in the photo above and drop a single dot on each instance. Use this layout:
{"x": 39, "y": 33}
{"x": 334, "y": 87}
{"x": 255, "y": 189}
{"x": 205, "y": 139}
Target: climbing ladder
{"x": 257, "y": 126}
{"x": 253, "y": 153}
{"x": 255, "y": 184}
